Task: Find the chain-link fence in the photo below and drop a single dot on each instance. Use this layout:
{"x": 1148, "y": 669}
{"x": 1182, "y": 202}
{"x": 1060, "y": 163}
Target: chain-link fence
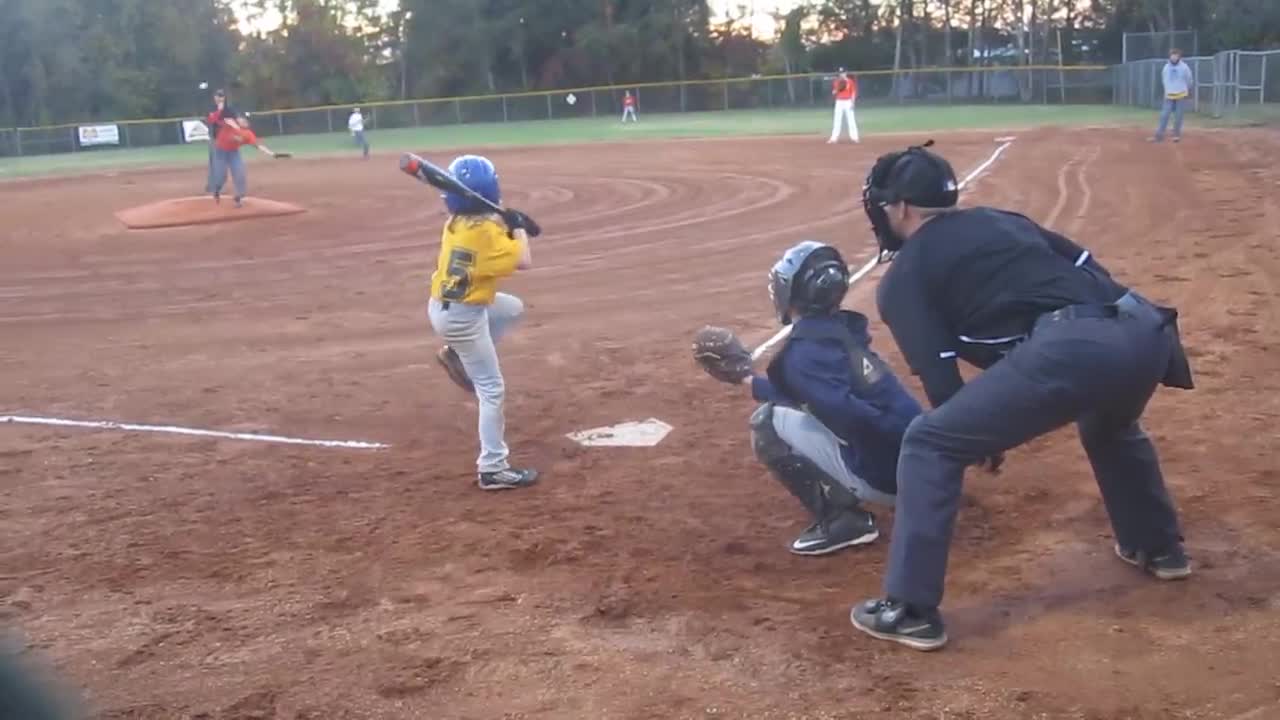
{"x": 1050, "y": 85}
{"x": 1234, "y": 85}
{"x": 1150, "y": 45}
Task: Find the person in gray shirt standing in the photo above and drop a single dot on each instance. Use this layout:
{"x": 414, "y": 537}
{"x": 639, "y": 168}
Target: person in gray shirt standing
{"x": 1176, "y": 76}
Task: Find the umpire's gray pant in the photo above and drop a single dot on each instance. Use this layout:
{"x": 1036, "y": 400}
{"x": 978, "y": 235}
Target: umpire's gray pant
{"x": 1097, "y": 372}
{"x": 473, "y": 331}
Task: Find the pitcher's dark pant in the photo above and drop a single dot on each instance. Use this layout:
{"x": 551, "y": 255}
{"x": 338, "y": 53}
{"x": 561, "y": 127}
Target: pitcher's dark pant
{"x": 1097, "y": 372}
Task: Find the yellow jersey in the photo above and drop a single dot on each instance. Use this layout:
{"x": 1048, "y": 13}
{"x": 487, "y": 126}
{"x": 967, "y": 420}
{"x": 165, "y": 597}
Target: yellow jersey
{"x": 475, "y": 251}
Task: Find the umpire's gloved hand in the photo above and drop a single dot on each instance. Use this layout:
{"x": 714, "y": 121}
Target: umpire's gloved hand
{"x": 517, "y": 220}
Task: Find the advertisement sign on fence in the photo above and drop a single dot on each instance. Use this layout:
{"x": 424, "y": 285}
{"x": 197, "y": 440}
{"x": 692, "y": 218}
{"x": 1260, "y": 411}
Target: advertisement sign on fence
{"x": 194, "y": 131}
{"x": 91, "y": 135}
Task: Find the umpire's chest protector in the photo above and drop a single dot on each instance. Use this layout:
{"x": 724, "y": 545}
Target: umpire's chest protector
{"x": 847, "y": 328}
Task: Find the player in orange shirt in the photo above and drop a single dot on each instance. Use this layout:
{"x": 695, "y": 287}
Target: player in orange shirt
{"x": 845, "y": 90}
{"x": 629, "y": 107}
{"x": 232, "y": 133}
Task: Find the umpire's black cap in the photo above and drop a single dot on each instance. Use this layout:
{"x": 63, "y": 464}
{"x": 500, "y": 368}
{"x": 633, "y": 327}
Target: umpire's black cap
{"x": 915, "y": 176}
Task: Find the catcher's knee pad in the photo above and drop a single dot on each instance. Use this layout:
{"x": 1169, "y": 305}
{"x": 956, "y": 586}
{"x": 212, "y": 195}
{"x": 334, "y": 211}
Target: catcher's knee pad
{"x": 820, "y": 494}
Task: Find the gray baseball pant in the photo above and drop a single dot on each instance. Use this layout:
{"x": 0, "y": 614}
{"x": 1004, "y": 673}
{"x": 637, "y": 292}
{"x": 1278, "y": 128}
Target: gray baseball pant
{"x": 473, "y": 332}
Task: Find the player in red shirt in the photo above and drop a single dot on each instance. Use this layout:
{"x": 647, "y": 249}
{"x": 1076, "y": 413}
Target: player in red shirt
{"x": 845, "y": 90}
{"x": 232, "y": 133}
{"x": 629, "y": 107}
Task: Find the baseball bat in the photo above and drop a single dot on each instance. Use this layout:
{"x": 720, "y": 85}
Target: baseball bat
{"x": 436, "y": 176}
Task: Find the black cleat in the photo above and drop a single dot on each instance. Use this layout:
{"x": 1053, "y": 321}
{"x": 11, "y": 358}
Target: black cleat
{"x": 508, "y": 479}
{"x": 896, "y": 621}
{"x": 1170, "y": 564}
{"x": 852, "y": 527}
{"x": 452, "y": 364}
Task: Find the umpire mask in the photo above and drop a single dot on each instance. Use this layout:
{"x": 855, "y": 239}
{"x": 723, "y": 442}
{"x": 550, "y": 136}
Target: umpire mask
{"x": 914, "y": 176}
{"x": 811, "y": 278}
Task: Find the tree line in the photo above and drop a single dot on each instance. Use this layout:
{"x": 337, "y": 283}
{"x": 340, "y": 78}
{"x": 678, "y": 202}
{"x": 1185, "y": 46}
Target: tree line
{"x": 78, "y": 60}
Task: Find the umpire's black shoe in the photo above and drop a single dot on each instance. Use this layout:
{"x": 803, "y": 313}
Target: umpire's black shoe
{"x": 852, "y": 527}
{"x": 508, "y": 479}
{"x": 1170, "y": 564}
{"x": 898, "y": 622}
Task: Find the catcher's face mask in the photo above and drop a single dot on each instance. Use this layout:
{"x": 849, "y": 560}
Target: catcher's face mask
{"x": 913, "y": 176}
{"x": 811, "y": 278}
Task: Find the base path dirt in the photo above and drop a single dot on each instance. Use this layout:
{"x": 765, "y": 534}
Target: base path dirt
{"x": 179, "y": 577}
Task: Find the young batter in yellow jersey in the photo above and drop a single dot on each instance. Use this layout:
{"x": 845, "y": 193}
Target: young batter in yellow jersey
{"x": 477, "y": 249}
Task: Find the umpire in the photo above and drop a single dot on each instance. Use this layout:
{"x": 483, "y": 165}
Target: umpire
{"x": 1059, "y": 341}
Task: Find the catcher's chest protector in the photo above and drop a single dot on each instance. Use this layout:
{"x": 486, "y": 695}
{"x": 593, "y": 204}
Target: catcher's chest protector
{"x": 865, "y": 367}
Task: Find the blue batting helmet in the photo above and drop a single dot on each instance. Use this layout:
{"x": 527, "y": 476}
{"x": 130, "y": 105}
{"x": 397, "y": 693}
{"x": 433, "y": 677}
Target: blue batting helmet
{"x": 477, "y": 173}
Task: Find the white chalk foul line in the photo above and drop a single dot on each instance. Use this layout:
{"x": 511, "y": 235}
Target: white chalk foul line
{"x": 110, "y": 425}
{"x": 1005, "y": 142}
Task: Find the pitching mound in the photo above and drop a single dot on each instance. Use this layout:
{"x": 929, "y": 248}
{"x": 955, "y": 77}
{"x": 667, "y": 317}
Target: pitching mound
{"x": 201, "y": 210}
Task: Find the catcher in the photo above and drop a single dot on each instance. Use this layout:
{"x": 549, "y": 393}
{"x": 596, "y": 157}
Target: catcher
{"x": 833, "y": 413}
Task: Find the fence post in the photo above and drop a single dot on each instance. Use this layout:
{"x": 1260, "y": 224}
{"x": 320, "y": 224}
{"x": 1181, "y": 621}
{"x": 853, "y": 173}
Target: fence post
{"x": 726, "y": 94}
{"x": 549, "y": 115}
{"x": 457, "y": 110}
{"x": 280, "y": 122}
{"x": 504, "y": 108}
{"x": 593, "y": 103}
{"x": 124, "y": 129}
{"x": 328, "y": 115}
{"x": 1262, "y": 84}
{"x": 416, "y": 121}
{"x": 75, "y": 138}
{"x": 17, "y": 140}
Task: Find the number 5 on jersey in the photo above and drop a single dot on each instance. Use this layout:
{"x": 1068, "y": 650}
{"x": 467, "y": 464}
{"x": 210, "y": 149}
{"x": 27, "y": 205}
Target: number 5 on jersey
{"x": 458, "y": 283}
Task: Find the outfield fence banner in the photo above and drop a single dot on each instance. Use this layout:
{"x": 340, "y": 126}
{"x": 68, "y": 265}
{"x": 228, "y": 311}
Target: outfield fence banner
{"x": 995, "y": 85}
{"x": 92, "y": 135}
{"x": 194, "y": 131}
{"x": 1241, "y": 86}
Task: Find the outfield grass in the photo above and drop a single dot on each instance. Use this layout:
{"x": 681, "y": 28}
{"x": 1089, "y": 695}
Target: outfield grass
{"x": 679, "y": 125}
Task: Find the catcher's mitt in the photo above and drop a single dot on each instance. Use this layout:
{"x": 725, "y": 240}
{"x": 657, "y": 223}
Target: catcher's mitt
{"x": 722, "y": 355}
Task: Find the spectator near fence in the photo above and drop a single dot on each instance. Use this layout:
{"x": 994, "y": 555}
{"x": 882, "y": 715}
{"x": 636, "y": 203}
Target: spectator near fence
{"x": 355, "y": 124}
{"x": 1176, "y": 77}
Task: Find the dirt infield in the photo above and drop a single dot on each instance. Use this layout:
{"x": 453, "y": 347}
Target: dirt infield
{"x": 176, "y": 577}
{"x": 200, "y": 210}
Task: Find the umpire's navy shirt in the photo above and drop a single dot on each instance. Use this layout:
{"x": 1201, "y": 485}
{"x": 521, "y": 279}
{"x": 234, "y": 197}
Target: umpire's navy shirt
{"x": 818, "y": 376}
{"x": 970, "y": 284}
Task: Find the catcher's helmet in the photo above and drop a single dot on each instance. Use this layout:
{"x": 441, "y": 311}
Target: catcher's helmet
{"x": 811, "y": 278}
{"x": 478, "y": 173}
{"x": 914, "y": 176}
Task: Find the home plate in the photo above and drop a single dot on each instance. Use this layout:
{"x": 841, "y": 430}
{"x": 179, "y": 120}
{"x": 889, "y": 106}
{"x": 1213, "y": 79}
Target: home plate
{"x": 645, "y": 433}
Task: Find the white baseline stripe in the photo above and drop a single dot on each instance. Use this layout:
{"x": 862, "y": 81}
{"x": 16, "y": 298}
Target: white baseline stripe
{"x": 109, "y": 425}
{"x": 871, "y": 264}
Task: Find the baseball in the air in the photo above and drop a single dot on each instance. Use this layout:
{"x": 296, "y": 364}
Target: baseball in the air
{"x": 204, "y": 86}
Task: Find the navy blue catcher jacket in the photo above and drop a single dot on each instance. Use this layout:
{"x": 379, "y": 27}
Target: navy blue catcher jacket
{"x": 828, "y": 369}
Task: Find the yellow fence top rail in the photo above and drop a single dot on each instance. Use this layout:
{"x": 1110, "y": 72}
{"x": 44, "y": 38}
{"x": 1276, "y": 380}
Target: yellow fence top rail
{"x": 595, "y": 88}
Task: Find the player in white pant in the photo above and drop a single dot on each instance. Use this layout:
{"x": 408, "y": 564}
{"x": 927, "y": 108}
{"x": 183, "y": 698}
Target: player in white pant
{"x": 845, "y": 91}
{"x": 629, "y": 107}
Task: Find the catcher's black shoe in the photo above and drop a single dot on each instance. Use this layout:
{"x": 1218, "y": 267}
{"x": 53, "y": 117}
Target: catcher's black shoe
{"x": 452, "y": 364}
{"x": 851, "y": 527}
{"x": 217, "y": 197}
{"x": 508, "y": 479}
{"x": 895, "y": 621}
{"x": 239, "y": 202}
{"x": 1170, "y": 564}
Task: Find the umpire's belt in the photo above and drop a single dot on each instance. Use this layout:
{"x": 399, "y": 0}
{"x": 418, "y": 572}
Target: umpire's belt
{"x": 1079, "y": 312}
